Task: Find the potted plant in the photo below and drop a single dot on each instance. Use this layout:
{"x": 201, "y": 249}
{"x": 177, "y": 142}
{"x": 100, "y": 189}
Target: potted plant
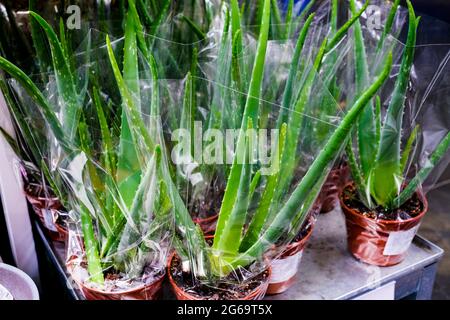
{"x": 120, "y": 239}
{"x": 375, "y": 46}
{"x": 41, "y": 189}
{"x": 251, "y": 231}
{"x": 382, "y": 205}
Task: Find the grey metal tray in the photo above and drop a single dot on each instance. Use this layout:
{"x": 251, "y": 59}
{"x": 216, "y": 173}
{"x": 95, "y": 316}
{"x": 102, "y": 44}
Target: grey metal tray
{"x": 328, "y": 271}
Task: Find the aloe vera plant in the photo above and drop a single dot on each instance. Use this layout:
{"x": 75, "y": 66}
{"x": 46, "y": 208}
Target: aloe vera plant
{"x": 249, "y": 226}
{"x": 119, "y": 200}
{"x": 379, "y": 164}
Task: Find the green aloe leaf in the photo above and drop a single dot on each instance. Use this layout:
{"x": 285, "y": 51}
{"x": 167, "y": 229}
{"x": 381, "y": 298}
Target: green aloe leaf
{"x": 128, "y": 162}
{"x": 408, "y": 147}
{"x": 386, "y": 176}
{"x": 288, "y": 94}
{"x": 366, "y": 125}
{"x": 230, "y": 239}
{"x": 250, "y": 112}
{"x": 64, "y": 79}
{"x": 265, "y": 205}
{"x": 39, "y": 98}
{"x": 291, "y": 208}
{"x": 337, "y": 37}
{"x": 420, "y": 177}
{"x": 91, "y": 246}
{"x": 238, "y": 62}
{"x": 40, "y": 44}
{"x": 389, "y": 23}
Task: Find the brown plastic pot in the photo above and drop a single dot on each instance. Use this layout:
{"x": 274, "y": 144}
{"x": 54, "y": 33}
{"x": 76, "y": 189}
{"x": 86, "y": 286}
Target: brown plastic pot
{"x": 329, "y": 195}
{"x": 285, "y": 268}
{"x": 379, "y": 242}
{"x": 257, "y": 294}
{"x": 48, "y": 206}
{"x": 208, "y": 225}
{"x": 150, "y": 291}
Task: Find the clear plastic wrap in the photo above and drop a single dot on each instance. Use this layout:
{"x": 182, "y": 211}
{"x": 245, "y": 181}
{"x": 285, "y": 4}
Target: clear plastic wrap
{"x": 264, "y": 184}
{"x": 231, "y": 121}
{"x": 387, "y": 197}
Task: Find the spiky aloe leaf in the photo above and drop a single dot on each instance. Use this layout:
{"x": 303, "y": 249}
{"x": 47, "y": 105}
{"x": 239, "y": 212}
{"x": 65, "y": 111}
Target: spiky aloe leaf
{"x": 254, "y": 92}
{"x": 138, "y": 28}
{"x": 186, "y": 229}
{"x": 143, "y": 204}
{"x": 337, "y": 37}
{"x": 97, "y": 187}
{"x": 230, "y": 239}
{"x": 420, "y": 177}
{"x": 250, "y": 112}
{"x": 128, "y": 162}
{"x": 302, "y": 15}
{"x": 408, "y": 147}
{"x": 195, "y": 28}
{"x": 334, "y": 16}
{"x": 295, "y": 122}
{"x": 107, "y": 143}
{"x": 238, "y": 62}
{"x": 388, "y": 25}
{"x": 287, "y": 94}
{"x": 265, "y": 204}
{"x": 289, "y": 21}
{"x": 147, "y": 18}
{"x": 163, "y": 12}
{"x": 277, "y": 25}
{"x": 290, "y": 209}
{"x": 39, "y": 98}
{"x": 366, "y": 127}
{"x": 11, "y": 141}
{"x": 386, "y": 177}
{"x": 40, "y": 44}
{"x": 64, "y": 79}
{"x": 94, "y": 264}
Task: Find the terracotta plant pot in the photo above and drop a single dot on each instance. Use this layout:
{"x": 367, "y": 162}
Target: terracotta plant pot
{"x": 257, "y": 294}
{"x": 47, "y": 211}
{"x": 380, "y": 242}
{"x": 208, "y": 225}
{"x": 149, "y": 291}
{"x": 285, "y": 268}
{"x": 329, "y": 195}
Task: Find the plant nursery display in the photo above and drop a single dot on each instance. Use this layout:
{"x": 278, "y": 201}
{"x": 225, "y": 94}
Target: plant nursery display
{"x": 193, "y": 144}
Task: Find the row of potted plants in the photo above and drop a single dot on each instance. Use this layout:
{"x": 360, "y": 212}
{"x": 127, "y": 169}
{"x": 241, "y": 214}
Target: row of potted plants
{"x": 108, "y": 144}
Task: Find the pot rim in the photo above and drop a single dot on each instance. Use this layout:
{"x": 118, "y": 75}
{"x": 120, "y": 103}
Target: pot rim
{"x": 421, "y": 197}
{"x": 202, "y": 220}
{"x": 121, "y": 292}
{"x": 297, "y": 245}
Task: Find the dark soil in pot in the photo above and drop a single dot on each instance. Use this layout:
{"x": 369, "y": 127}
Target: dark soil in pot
{"x": 410, "y": 209}
{"x": 242, "y": 284}
{"x": 116, "y": 286}
{"x": 377, "y": 236}
{"x": 233, "y": 287}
